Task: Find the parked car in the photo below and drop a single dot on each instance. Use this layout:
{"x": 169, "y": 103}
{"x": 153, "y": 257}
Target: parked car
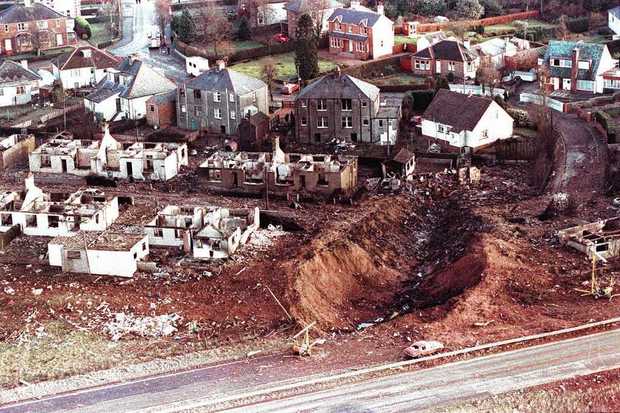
{"x": 280, "y": 38}
{"x": 290, "y": 88}
{"x": 423, "y": 348}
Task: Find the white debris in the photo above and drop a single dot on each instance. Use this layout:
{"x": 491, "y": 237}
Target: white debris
{"x": 560, "y": 201}
{"x": 37, "y": 291}
{"x": 262, "y": 238}
{"x": 159, "y": 326}
{"x": 9, "y": 291}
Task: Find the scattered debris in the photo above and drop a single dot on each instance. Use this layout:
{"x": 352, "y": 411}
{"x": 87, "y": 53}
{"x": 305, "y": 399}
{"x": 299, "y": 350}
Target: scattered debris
{"x": 158, "y": 326}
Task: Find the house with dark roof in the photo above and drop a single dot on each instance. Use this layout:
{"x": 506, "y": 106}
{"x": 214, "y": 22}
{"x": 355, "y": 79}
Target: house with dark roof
{"x": 18, "y": 84}
{"x": 218, "y": 99}
{"x": 124, "y": 90}
{"x": 445, "y": 57}
{"x": 318, "y": 10}
{"x": 84, "y": 66}
{"x": 456, "y": 120}
{"x": 577, "y": 66}
{"x": 614, "y": 20}
{"x": 344, "y": 108}
{"x": 31, "y": 27}
{"x": 69, "y": 8}
{"x": 360, "y": 33}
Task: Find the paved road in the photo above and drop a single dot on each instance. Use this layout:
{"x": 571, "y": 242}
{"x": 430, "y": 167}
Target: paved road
{"x": 440, "y": 386}
{"x": 138, "y": 22}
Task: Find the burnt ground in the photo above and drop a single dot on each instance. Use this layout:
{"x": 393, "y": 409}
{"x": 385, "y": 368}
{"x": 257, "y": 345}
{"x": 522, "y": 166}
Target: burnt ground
{"x": 437, "y": 261}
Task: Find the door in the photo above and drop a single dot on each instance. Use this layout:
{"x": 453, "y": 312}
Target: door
{"x": 235, "y": 180}
{"x": 223, "y": 129}
{"x": 302, "y": 181}
{"x": 8, "y": 46}
{"x": 438, "y": 66}
{"x": 350, "y": 46}
{"x": 566, "y": 85}
{"x": 59, "y": 40}
{"x": 129, "y": 170}
{"x": 63, "y": 164}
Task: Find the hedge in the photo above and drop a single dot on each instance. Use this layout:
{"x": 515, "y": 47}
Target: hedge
{"x": 488, "y": 21}
{"x": 578, "y": 24}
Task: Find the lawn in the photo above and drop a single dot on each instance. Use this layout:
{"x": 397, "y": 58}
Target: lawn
{"x": 285, "y": 64}
{"x": 99, "y": 33}
{"x": 397, "y": 80}
{"x": 404, "y": 39}
{"x": 512, "y": 27}
{"x": 239, "y": 45}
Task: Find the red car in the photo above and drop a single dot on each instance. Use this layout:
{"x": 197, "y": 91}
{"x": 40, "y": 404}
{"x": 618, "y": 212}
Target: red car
{"x": 280, "y": 38}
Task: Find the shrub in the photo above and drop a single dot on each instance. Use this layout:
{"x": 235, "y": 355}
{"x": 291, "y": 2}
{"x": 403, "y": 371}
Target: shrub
{"x": 82, "y": 28}
{"x": 578, "y": 24}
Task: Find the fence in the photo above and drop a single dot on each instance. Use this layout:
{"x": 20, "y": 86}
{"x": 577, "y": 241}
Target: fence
{"x": 476, "y": 90}
{"x": 489, "y": 21}
{"x": 538, "y": 100}
{"x": 255, "y": 53}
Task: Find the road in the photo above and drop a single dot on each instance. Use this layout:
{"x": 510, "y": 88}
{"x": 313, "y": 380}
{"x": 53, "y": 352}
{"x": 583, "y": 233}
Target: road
{"x": 208, "y": 388}
{"x": 138, "y": 22}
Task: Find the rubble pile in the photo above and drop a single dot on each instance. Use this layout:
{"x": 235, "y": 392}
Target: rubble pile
{"x": 264, "y": 238}
{"x": 158, "y": 326}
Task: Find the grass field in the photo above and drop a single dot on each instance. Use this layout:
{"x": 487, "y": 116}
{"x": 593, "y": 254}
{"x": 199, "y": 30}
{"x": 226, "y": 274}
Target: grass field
{"x": 404, "y": 39}
{"x": 397, "y": 80}
{"x": 511, "y": 27}
{"x": 240, "y": 45}
{"x": 285, "y": 64}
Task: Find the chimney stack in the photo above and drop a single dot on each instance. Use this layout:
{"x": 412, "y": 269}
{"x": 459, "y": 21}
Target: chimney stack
{"x": 355, "y": 4}
{"x": 27, "y": 3}
{"x": 380, "y": 8}
{"x": 221, "y": 64}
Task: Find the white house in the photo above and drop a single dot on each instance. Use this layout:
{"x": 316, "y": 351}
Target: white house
{"x": 577, "y": 66}
{"x": 52, "y": 214}
{"x": 110, "y": 252}
{"x": 84, "y": 66}
{"x": 495, "y": 51}
{"x": 18, "y": 84}
{"x": 457, "y": 120}
{"x": 156, "y": 161}
{"x": 614, "y": 20}
{"x": 207, "y": 232}
{"x": 123, "y": 92}
{"x": 196, "y": 65}
{"x": 69, "y": 8}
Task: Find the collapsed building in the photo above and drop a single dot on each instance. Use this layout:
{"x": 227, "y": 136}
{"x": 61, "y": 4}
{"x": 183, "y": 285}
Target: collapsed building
{"x": 280, "y": 174}
{"x": 35, "y": 213}
{"x": 205, "y": 232}
{"x": 111, "y": 252}
{"x": 109, "y": 158}
{"x": 14, "y": 150}
{"x": 600, "y": 237}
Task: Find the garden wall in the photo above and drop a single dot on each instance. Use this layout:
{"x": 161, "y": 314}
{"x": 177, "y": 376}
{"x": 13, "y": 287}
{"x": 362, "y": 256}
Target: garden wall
{"x": 255, "y": 53}
{"x": 489, "y": 21}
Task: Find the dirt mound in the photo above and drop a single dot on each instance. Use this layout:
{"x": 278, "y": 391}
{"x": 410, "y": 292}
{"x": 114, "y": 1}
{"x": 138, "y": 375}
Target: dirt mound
{"x": 351, "y": 272}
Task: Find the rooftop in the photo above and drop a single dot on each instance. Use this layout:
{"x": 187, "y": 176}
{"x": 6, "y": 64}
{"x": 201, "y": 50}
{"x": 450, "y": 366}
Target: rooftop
{"x": 109, "y": 240}
{"x": 461, "y": 111}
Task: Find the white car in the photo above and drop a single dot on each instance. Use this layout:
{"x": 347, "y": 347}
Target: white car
{"x": 423, "y": 348}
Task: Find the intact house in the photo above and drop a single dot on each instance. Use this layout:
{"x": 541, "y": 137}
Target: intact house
{"x": 36, "y": 213}
{"x": 577, "y": 66}
{"x": 456, "y": 120}
{"x": 218, "y": 99}
{"x": 69, "y": 8}
{"x": 318, "y": 10}
{"x": 253, "y": 130}
{"x": 280, "y": 174}
{"x": 614, "y": 20}
{"x": 14, "y": 150}
{"x": 360, "y": 33}
{"x": 161, "y": 110}
{"x": 446, "y": 58}
{"x": 494, "y": 51}
{"x": 264, "y": 13}
{"x": 123, "y": 91}
{"x": 84, "y": 66}
{"x": 111, "y": 252}
{"x": 155, "y": 161}
{"x": 342, "y": 107}
{"x": 33, "y": 27}
{"x": 204, "y": 232}
{"x": 18, "y": 84}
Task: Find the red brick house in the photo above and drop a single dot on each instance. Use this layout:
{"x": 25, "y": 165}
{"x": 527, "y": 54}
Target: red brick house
{"x": 31, "y": 27}
{"x": 445, "y": 57}
{"x": 161, "y": 109}
{"x": 360, "y": 33}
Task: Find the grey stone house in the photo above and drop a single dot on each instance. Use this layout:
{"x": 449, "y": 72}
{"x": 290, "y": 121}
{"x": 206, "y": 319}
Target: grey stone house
{"x": 342, "y": 107}
{"x": 218, "y": 99}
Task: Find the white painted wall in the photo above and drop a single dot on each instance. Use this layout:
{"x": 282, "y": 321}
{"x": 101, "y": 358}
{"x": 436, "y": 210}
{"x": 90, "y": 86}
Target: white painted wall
{"x": 382, "y": 38}
{"x": 9, "y": 96}
{"x": 77, "y": 78}
{"x": 106, "y": 109}
{"x": 614, "y": 23}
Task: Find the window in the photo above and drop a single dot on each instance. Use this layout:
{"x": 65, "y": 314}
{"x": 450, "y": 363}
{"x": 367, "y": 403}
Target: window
{"x": 381, "y": 43}
{"x": 217, "y": 113}
{"x": 31, "y": 221}
{"x": 74, "y": 255}
{"x": 321, "y": 104}
{"x": 451, "y": 67}
{"x": 197, "y": 94}
{"x": 586, "y": 85}
{"x": 585, "y": 65}
{"x": 6, "y": 27}
{"x": 152, "y": 108}
{"x": 231, "y": 97}
{"x": 19, "y": 90}
{"x": 335, "y": 42}
{"x": 304, "y": 104}
{"x": 1, "y": 92}
{"x": 217, "y": 97}
{"x": 337, "y": 27}
{"x": 364, "y": 30}
{"x": 360, "y": 46}
{"x": 304, "y": 121}
{"x": 144, "y": 246}
{"x": 323, "y": 180}
{"x": 347, "y": 121}
{"x": 380, "y": 123}
{"x": 364, "y": 103}
{"x": 346, "y": 104}
{"x": 42, "y": 24}
{"x": 21, "y": 26}
{"x": 158, "y": 232}
{"x": 366, "y": 122}
{"x": 215, "y": 175}
{"x": 555, "y": 62}
{"x": 183, "y": 109}
{"x": 322, "y": 122}
{"x": 6, "y": 219}
{"x": 197, "y": 111}
{"x": 566, "y": 63}
{"x": 181, "y": 91}
{"x": 233, "y": 115}
{"x": 350, "y": 29}
{"x": 53, "y": 221}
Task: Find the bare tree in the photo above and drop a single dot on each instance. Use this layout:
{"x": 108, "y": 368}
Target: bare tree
{"x": 214, "y": 29}
{"x": 270, "y": 72}
{"x": 562, "y": 30}
{"x": 488, "y": 75}
{"x": 162, "y": 12}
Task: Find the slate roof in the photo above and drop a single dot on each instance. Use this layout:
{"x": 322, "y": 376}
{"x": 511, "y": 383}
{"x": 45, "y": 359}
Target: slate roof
{"x": 165, "y": 97}
{"x": 19, "y": 13}
{"x": 11, "y": 71}
{"x": 403, "y": 156}
{"x": 99, "y": 59}
{"x": 302, "y": 6}
{"x": 447, "y": 50}
{"x": 357, "y": 16}
{"x": 338, "y": 86}
{"x": 564, "y": 49}
{"x": 461, "y": 111}
{"x": 222, "y": 79}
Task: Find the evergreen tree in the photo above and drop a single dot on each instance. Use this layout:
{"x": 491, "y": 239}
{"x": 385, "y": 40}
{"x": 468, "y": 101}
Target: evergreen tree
{"x": 307, "y": 48}
{"x": 244, "y": 32}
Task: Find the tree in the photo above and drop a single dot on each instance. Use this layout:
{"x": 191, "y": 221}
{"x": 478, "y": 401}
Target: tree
{"x": 491, "y": 8}
{"x": 470, "y": 9}
{"x": 183, "y": 25}
{"x": 162, "y": 13}
{"x": 429, "y": 7}
{"x": 244, "y": 32}
{"x": 561, "y": 32}
{"x": 488, "y": 75}
{"x": 307, "y": 48}
{"x": 270, "y": 72}
{"x": 214, "y": 30}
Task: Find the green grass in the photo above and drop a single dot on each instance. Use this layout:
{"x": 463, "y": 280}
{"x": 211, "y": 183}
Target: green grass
{"x": 404, "y": 39}
{"x": 285, "y": 64}
{"x": 239, "y": 45}
{"x": 99, "y": 33}
{"x": 512, "y": 27}
{"x": 397, "y": 80}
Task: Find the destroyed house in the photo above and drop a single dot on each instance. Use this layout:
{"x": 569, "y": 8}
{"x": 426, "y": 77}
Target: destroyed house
{"x": 109, "y": 158}
{"x": 205, "y": 232}
{"x": 110, "y": 252}
{"x": 280, "y": 173}
{"x": 601, "y": 238}
{"x": 14, "y": 150}
{"x": 37, "y": 213}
